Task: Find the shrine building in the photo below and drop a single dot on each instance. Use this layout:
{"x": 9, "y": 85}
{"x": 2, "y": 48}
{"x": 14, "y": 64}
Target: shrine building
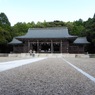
{"x": 49, "y": 40}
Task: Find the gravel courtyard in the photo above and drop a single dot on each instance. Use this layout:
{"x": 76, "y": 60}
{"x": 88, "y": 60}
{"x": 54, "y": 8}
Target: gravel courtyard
{"x": 51, "y": 76}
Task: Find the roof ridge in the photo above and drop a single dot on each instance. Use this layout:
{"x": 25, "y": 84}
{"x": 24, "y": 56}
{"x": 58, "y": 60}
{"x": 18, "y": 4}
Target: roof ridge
{"x": 48, "y": 28}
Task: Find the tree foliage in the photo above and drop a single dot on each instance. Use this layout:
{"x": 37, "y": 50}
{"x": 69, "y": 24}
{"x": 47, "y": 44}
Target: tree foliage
{"x": 5, "y": 29}
{"x": 4, "y": 20}
{"x": 19, "y": 29}
{"x": 90, "y": 29}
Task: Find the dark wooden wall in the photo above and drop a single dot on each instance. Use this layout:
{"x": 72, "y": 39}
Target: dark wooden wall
{"x": 64, "y": 46}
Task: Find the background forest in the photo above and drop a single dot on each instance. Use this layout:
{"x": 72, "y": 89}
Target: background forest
{"x": 79, "y": 28}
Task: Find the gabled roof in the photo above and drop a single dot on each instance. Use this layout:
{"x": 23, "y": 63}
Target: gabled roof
{"x": 81, "y": 40}
{"x": 57, "y": 32}
{"x": 15, "y": 41}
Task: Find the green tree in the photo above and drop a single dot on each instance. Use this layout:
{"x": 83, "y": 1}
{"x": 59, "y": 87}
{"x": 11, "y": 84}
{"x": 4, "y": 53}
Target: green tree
{"x": 78, "y": 28}
{"x": 39, "y": 25}
{"x": 5, "y": 29}
{"x": 31, "y": 24}
{"x": 70, "y": 26}
{"x": 4, "y": 20}
{"x": 90, "y": 29}
{"x": 20, "y": 29}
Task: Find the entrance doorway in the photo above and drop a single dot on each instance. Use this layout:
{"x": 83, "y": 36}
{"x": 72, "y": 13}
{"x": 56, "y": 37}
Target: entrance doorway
{"x": 45, "y": 47}
{"x": 56, "y": 48}
{"x": 33, "y": 46}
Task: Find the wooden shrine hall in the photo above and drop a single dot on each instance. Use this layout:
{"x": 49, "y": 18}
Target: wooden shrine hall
{"x": 49, "y": 40}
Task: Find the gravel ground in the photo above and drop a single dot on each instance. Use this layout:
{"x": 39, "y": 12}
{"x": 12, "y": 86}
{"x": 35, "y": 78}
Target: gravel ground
{"x": 51, "y": 76}
{"x": 86, "y": 64}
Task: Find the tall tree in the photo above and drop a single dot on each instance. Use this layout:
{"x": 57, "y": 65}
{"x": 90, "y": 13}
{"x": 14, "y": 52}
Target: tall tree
{"x": 5, "y": 29}
{"x": 4, "y": 20}
{"x": 5, "y": 32}
{"x": 90, "y": 29}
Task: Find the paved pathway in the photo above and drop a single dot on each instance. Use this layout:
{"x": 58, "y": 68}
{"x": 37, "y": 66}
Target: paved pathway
{"x": 12, "y": 64}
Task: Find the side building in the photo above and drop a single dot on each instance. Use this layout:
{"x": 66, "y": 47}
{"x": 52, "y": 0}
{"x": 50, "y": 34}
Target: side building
{"x": 49, "y": 40}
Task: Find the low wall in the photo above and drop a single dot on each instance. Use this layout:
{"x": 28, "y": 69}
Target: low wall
{"x": 48, "y": 55}
{"x": 92, "y": 55}
{"x": 66, "y": 55}
{"x": 3, "y": 55}
{"x": 19, "y": 55}
{"x": 82, "y": 56}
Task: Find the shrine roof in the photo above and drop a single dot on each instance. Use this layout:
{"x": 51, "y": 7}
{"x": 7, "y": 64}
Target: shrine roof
{"x": 57, "y": 32}
{"x": 15, "y": 41}
{"x": 81, "y": 40}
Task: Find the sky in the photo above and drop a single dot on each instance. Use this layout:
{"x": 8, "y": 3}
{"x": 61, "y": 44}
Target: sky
{"x": 48, "y": 10}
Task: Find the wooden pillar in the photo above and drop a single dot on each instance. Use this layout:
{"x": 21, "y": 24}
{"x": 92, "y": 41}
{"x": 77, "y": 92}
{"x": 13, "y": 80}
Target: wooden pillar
{"x": 67, "y": 47}
{"x": 31, "y": 45}
{"x": 37, "y": 46}
{"x": 28, "y": 45}
{"x": 13, "y": 49}
{"x": 61, "y": 46}
{"x": 84, "y": 48}
{"x": 78, "y": 49}
{"x": 51, "y": 46}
